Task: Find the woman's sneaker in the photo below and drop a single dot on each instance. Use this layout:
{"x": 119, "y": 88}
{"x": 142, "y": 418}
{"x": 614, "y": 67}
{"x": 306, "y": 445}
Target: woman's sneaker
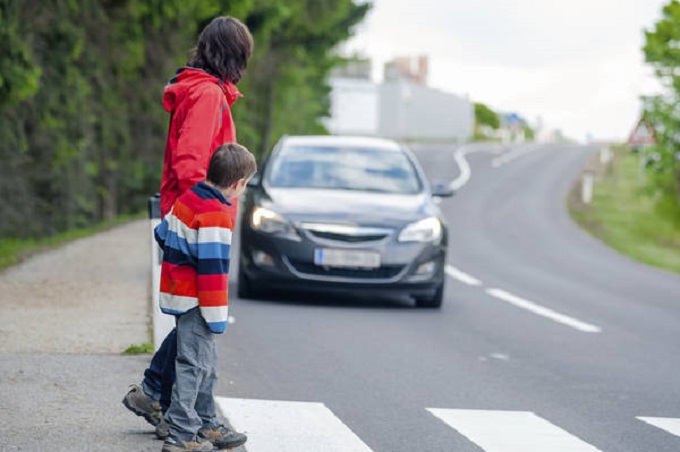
{"x": 222, "y": 437}
{"x": 173, "y": 444}
{"x": 143, "y": 405}
{"x": 162, "y": 429}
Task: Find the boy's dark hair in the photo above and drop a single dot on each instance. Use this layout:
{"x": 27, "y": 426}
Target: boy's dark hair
{"x": 223, "y": 49}
{"x": 229, "y": 163}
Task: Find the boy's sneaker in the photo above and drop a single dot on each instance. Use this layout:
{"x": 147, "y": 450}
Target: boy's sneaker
{"x": 173, "y": 444}
{"x": 143, "y": 405}
{"x": 223, "y": 437}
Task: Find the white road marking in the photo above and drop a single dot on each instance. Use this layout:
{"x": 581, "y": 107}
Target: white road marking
{"x": 511, "y": 431}
{"x": 282, "y": 426}
{"x": 461, "y": 276}
{"x": 522, "y": 303}
{"x": 465, "y": 171}
{"x": 512, "y": 155}
{"x": 286, "y": 426}
{"x": 668, "y": 424}
{"x": 543, "y": 311}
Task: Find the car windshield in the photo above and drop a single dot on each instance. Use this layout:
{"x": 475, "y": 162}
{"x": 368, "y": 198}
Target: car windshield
{"x": 344, "y": 168}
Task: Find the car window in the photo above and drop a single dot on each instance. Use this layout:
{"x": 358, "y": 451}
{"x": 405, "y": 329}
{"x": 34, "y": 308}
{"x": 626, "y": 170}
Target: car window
{"x": 361, "y": 169}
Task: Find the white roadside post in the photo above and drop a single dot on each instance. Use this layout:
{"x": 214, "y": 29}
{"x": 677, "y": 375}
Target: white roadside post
{"x": 587, "y": 187}
{"x": 605, "y": 155}
{"x": 162, "y": 324}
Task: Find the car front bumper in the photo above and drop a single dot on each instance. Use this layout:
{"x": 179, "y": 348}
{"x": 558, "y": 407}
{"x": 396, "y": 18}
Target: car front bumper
{"x": 270, "y": 262}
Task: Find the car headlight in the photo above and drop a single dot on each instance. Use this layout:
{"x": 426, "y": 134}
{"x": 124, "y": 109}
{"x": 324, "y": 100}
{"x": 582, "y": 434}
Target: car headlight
{"x": 268, "y": 221}
{"x": 427, "y": 230}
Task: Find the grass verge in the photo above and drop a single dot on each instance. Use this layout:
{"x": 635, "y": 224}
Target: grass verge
{"x": 13, "y": 251}
{"x": 623, "y": 216}
{"x": 140, "y": 349}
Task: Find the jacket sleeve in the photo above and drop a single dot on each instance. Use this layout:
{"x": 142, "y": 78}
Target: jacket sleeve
{"x": 196, "y": 135}
{"x": 214, "y": 245}
{"x": 160, "y": 233}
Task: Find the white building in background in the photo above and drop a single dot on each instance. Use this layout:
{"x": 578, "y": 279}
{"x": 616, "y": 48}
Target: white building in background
{"x": 412, "y": 111}
{"x": 354, "y": 106}
{"x": 402, "y": 107}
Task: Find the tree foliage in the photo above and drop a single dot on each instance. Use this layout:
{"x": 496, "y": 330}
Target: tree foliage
{"x": 82, "y": 128}
{"x": 662, "y": 51}
{"x": 484, "y": 116}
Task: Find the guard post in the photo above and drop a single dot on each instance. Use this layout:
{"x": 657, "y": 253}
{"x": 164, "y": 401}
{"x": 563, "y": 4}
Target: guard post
{"x": 162, "y": 324}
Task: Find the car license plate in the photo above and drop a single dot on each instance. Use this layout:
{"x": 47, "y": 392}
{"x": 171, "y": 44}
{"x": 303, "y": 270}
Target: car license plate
{"x": 346, "y": 258}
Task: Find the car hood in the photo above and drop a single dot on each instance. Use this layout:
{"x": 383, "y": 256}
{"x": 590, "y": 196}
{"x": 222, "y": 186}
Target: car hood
{"x": 343, "y": 206}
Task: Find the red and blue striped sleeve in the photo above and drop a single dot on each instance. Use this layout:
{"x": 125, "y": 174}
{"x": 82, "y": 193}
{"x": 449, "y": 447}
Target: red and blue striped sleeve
{"x": 212, "y": 268}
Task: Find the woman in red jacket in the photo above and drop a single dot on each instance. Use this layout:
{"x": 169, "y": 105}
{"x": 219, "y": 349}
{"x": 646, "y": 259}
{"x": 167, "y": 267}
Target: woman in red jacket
{"x": 199, "y": 100}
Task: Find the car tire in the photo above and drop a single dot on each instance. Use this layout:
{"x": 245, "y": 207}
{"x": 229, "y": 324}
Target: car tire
{"x": 434, "y": 301}
{"x": 244, "y": 288}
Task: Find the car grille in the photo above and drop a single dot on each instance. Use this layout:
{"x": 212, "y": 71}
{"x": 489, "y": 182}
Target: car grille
{"x": 345, "y": 233}
{"x": 383, "y": 272}
{"x": 348, "y": 238}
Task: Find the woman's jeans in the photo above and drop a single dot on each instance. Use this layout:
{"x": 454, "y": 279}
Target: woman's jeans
{"x": 160, "y": 375}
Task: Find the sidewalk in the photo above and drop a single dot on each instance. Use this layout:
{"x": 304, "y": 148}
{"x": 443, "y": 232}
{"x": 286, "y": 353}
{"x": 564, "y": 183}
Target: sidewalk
{"x": 67, "y": 315}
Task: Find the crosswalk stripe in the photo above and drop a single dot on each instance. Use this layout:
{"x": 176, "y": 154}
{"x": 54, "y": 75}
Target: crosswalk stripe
{"x": 278, "y": 426}
{"x": 511, "y": 431}
{"x": 671, "y": 425}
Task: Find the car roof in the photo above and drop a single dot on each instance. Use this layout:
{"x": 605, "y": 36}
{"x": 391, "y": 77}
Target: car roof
{"x": 342, "y": 140}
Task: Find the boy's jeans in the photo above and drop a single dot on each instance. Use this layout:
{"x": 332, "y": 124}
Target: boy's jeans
{"x": 192, "y": 406}
{"x": 160, "y": 376}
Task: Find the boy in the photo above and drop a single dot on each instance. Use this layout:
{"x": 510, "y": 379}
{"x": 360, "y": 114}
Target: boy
{"x": 196, "y": 239}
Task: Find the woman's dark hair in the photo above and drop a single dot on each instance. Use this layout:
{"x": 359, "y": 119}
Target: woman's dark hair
{"x": 223, "y": 49}
{"x": 229, "y": 163}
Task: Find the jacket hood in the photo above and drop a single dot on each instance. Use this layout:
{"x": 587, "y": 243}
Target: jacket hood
{"x": 189, "y": 78}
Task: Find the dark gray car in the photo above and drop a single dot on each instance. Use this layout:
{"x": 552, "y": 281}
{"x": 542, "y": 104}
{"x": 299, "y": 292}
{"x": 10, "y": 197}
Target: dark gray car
{"x": 349, "y": 214}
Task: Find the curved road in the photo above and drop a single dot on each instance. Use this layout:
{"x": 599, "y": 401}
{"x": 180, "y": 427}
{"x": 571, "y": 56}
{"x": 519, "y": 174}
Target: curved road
{"x": 547, "y": 340}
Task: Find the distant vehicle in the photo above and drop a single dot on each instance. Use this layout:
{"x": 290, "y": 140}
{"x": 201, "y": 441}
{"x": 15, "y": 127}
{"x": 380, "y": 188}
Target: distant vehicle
{"x": 348, "y": 214}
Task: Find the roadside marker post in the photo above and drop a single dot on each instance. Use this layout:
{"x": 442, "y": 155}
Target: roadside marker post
{"x": 605, "y": 155}
{"x": 162, "y": 324}
{"x": 587, "y": 187}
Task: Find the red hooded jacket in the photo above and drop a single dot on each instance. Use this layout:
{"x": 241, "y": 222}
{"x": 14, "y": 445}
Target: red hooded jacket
{"x": 200, "y": 122}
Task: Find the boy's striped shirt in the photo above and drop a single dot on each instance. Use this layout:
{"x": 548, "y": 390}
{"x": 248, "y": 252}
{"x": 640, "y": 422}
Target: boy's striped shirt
{"x": 196, "y": 240}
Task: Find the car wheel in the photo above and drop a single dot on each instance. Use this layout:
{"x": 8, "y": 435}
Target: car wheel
{"x": 434, "y": 301}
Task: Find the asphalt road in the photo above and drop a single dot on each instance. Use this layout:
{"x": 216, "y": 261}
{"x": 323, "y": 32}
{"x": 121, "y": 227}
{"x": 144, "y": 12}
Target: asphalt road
{"x": 547, "y": 340}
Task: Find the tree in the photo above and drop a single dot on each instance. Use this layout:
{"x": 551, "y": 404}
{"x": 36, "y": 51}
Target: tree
{"x": 484, "y": 116}
{"x": 662, "y": 51}
{"x": 82, "y": 129}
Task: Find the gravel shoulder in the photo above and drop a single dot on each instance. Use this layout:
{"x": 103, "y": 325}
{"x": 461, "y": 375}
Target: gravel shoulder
{"x": 90, "y": 296}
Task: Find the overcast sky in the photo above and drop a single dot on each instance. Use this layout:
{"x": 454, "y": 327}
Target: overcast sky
{"x": 576, "y": 65}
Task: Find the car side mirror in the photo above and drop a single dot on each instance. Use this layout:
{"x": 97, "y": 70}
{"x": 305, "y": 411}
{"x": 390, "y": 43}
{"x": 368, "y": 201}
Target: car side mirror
{"x": 442, "y": 189}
